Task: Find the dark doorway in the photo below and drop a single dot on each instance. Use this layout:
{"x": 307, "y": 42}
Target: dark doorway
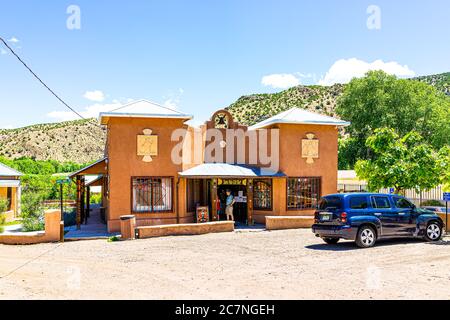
{"x": 239, "y": 192}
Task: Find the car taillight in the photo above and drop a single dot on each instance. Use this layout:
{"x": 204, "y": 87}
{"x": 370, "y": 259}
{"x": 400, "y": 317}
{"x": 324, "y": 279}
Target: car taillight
{"x": 344, "y": 217}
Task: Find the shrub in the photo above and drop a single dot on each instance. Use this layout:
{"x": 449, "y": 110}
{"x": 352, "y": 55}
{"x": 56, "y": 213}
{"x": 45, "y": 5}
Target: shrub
{"x": 2, "y": 229}
{"x": 431, "y": 203}
{"x": 4, "y": 205}
{"x": 96, "y": 198}
{"x": 32, "y": 212}
{"x": 113, "y": 239}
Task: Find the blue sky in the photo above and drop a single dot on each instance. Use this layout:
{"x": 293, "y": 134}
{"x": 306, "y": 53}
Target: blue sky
{"x": 199, "y": 56}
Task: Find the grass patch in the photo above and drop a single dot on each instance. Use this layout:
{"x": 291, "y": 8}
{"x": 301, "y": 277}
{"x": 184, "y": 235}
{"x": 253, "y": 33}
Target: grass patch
{"x": 113, "y": 239}
{"x": 11, "y": 223}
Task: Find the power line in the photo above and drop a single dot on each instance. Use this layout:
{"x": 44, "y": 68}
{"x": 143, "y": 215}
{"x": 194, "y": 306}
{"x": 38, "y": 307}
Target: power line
{"x": 39, "y": 79}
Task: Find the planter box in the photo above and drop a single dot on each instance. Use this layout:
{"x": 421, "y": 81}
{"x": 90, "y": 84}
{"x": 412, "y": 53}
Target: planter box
{"x": 52, "y": 232}
{"x": 289, "y": 222}
{"x": 184, "y": 229}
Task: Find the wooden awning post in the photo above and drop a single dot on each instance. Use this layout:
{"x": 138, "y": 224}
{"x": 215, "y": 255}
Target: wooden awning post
{"x": 88, "y": 204}
{"x": 250, "y": 202}
{"x": 83, "y": 200}
{"x": 79, "y": 187}
{"x": 214, "y": 199}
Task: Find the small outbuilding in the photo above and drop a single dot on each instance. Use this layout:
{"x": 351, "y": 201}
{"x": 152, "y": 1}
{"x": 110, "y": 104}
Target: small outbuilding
{"x": 10, "y": 190}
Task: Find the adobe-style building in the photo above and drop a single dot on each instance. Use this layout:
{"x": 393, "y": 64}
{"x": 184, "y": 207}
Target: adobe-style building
{"x": 10, "y": 190}
{"x": 161, "y": 169}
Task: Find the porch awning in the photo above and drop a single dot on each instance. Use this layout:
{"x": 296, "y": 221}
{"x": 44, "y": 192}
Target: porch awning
{"x": 97, "y": 168}
{"x": 210, "y": 170}
{"x": 9, "y": 183}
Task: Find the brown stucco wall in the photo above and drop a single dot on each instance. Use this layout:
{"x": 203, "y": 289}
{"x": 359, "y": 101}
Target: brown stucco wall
{"x": 293, "y": 165}
{"x": 125, "y": 164}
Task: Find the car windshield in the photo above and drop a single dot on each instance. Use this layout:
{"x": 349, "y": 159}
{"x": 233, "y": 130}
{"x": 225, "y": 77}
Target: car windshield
{"x": 330, "y": 203}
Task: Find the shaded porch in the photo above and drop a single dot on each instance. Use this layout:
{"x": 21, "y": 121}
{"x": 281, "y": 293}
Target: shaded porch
{"x": 207, "y": 185}
{"x": 91, "y": 218}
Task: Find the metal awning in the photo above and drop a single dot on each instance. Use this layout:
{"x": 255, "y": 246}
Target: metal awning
{"x": 9, "y": 183}
{"x": 210, "y": 170}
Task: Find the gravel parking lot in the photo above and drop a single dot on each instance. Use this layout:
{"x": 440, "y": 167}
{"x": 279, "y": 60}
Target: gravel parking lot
{"x": 290, "y": 264}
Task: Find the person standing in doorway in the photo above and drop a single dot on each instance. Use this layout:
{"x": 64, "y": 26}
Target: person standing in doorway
{"x": 229, "y": 203}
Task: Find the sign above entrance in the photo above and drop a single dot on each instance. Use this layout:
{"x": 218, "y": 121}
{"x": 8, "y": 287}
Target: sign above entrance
{"x": 310, "y": 148}
{"x": 232, "y": 182}
{"x": 147, "y": 145}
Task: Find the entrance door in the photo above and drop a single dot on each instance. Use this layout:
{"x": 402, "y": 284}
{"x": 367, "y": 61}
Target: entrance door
{"x": 239, "y": 192}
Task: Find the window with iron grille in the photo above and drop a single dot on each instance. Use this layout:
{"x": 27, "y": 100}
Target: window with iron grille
{"x": 262, "y": 194}
{"x": 152, "y": 194}
{"x": 303, "y": 193}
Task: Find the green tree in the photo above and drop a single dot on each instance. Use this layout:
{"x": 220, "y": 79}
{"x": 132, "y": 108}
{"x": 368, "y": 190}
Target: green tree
{"x": 401, "y": 162}
{"x": 445, "y": 163}
{"x": 380, "y": 100}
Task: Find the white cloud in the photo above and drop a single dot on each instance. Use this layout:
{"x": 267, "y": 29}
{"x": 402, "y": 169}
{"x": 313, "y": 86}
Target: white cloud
{"x": 171, "y": 103}
{"x": 173, "y": 98}
{"x": 91, "y": 111}
{"x": 3, "y": 51}
{"x": 95, "y": 95}
{"x": 14, "y": 40}
{"x": 342, "y": 71}
{"x": 280, "y": 81}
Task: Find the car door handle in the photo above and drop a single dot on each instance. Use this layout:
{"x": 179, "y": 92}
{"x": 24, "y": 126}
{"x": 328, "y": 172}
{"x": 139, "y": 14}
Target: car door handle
{"x": 401, "y": 213}
{"x": 377, "y": 214}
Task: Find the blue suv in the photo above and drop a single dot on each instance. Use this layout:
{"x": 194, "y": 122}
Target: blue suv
{"x": 367, "y": 217}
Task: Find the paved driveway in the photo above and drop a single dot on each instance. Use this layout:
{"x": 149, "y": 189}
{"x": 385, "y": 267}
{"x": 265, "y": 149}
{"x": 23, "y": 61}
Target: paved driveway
{"x": 290, "y": 264}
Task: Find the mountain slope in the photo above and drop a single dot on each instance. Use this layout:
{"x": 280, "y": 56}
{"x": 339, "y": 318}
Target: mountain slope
{"x": 254, "y": 108}
{"x": 82, "y": 141}
{"x": 251, "y": 109}
{"x": 78, "y": 141}
{"x": 440, "y": 81}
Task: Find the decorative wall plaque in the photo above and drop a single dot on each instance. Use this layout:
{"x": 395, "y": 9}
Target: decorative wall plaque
{"x": 310, "y": 148}
{"x": 147, "y": 145}
{"x": 221, "y": 120}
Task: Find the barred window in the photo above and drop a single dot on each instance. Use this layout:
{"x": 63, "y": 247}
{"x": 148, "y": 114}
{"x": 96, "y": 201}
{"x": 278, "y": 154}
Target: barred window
{"x": 262, "y": 194}
{"x": 152, "y": 194}
{"x": 303, "y": 193}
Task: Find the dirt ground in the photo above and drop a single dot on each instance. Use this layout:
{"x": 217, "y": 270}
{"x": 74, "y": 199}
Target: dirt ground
{"x": 290, "y": 264}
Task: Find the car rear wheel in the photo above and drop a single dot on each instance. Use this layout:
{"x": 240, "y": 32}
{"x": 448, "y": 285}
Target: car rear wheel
{"x": 366, "y": 237}
{"x": 331, "y": 240}
{"x": 433, "y": 232}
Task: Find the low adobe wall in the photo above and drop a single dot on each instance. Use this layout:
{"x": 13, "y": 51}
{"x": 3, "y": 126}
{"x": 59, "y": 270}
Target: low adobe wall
{"x": 287, "y": 222}
{"x": 52, "y": 232}
{"x": 185, "y": 229}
